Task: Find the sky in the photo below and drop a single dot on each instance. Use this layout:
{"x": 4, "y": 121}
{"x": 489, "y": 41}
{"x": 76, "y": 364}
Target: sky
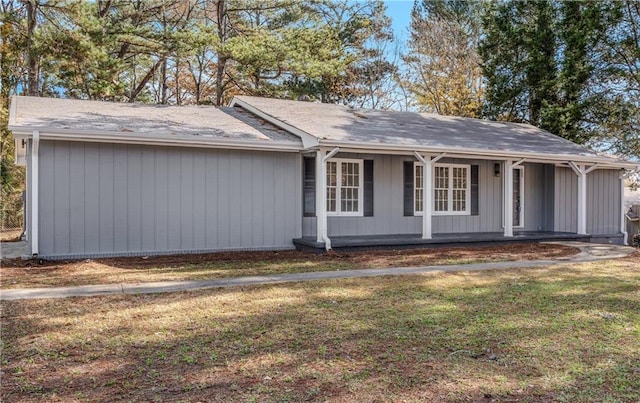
{"x": 400, "y": 13}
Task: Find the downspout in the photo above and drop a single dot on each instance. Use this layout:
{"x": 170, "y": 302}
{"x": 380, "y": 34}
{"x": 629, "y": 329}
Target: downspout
{"x": 35, "y": 147}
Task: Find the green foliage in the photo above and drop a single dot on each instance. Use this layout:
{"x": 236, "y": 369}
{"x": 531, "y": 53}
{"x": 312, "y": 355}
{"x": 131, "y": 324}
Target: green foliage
{"x": 568, "y": 67}
{"x": 442, "y": 64}
{"x": 518, "y": 61}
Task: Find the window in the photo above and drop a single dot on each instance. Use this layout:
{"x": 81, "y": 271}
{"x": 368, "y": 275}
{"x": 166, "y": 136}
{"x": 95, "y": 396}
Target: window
{"x": 344, "y": 187}
{"x": 451, "y": 189}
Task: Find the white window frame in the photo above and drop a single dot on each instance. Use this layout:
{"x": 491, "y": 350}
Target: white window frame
{"x": 339, "y": 211}
{"x": 449, "y": 211}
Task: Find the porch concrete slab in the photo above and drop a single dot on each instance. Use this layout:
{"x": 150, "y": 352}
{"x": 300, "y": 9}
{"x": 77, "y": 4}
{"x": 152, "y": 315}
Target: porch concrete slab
{"x": 438, "y": 240}
{"x": 14, "y": 250}
{"x": 589, "y": 253}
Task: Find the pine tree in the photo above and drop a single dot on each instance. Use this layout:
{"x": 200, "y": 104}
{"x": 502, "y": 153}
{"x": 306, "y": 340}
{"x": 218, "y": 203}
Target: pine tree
{"x": 442, "y": 63}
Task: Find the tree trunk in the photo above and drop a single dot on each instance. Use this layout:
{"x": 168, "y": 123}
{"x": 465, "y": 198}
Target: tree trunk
{"x": 163, "y": 82}
{"x": 144, "y": 81}
{"x": 32, "y": 59}
{"x": 178, "y": 96}
{"x": 223, "y": 21}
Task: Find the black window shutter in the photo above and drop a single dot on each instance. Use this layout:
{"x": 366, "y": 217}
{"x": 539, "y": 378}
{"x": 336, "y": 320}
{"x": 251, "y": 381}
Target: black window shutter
{"x": 408, "y": 188}
{"x": 309, "y": 187}
{"x": 474, "y": 190}
{"x": 368, "y": 188}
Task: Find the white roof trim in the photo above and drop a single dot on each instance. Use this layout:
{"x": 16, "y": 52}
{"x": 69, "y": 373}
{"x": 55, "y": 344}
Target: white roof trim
{"x": 478, "y": 153}
{"x": 154, "y": 139}
{"x": 308, "y": 140}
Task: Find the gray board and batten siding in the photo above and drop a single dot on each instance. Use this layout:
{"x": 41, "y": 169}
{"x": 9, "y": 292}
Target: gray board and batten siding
{"x": 550, "y": 202}
{"x": 389, "y": 218}
{"x": 603, "y": 201}
{"x": 101, "y": 199}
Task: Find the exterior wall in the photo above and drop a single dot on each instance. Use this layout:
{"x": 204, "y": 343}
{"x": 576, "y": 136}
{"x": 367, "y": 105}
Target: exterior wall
{"x": 105, "y": 199}
{"x": 538, "y": 198}
{"x": 603, "y": 201}
{"x": 388, "y": 215}
{"x": 388, "y": 196}
{"x": 566, "y": 200}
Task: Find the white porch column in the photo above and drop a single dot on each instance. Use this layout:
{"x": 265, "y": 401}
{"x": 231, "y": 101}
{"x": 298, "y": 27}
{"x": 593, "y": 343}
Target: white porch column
{"x": 582, "y": 201}
{"x": 427, "y": 192}
{"x": 508, "y": 198}
{"x": 321, "y": 195}
{"x": 427, "y": 197}
{"x": 582, "y": 173}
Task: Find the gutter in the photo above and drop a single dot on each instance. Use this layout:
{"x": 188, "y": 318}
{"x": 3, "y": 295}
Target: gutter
{"x": 35, "y": 173}
{"x": 482, "y": 153}
{"x": 154, "y": 139}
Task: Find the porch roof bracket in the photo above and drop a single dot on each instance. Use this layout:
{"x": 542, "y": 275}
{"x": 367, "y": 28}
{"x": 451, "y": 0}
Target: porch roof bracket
{"x": 591, "y": 169}
{"x": 518, "y": 163}
{"x": 433, "y": 161}
{"x": 575, "y": 168}
{"x": 331, "y": 154}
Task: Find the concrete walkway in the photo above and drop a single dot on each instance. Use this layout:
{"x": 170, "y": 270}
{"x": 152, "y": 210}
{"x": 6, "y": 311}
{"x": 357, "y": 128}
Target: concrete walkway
{"x": 589, "y": 253}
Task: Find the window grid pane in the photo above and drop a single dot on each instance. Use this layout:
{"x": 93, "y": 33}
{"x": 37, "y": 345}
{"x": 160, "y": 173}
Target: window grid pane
{"x": 349, "y": 189}
{"x": 419, "y": 191}
{"x": 441, "y": 189}
{"x": 331, "y": 186}
{"x": 343, "y": 186}
{"x": 459, "y": 189}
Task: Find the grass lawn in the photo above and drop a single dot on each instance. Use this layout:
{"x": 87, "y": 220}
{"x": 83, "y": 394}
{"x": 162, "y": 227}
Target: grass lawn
{"x": 568, "y": 333}
{"x": 24, "y": 274}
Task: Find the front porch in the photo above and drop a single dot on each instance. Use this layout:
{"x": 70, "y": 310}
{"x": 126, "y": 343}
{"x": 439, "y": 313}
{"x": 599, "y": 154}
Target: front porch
{"x": 416, "y": 241}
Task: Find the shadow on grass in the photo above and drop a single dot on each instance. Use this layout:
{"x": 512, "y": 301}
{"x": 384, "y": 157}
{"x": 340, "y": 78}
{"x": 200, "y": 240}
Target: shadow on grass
{"x": 542, "y": 334}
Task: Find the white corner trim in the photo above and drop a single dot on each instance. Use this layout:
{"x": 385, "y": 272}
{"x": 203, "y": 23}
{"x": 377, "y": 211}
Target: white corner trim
{"x": 308, "y": 140}
{"x": 35, "y": 149}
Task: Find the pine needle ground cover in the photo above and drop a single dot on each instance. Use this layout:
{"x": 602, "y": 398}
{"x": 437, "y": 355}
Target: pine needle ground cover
{"x": 567, "y": 333}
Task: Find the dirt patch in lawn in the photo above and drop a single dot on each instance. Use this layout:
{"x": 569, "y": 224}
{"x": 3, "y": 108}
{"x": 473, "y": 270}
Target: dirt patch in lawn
{"x": 39, "y": 273}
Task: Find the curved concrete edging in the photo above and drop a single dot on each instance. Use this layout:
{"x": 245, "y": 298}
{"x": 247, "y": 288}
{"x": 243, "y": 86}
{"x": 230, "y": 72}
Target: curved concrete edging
{"x": 589, "y": 253}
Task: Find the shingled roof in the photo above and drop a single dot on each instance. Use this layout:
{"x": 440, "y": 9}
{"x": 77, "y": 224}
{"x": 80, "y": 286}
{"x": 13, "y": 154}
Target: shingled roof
{"x": 333, "y": 124}
{"x": 181, "y": 122}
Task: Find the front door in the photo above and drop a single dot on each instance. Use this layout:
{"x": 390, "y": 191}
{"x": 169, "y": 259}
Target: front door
{"x": 518, "y": 190}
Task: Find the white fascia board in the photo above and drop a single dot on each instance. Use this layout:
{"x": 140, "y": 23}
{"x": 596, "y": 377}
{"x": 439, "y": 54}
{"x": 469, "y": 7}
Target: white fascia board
{"x": 153, "y": 139}
{"x": 462, "y": 152}
{"x": 308, "y": 140}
